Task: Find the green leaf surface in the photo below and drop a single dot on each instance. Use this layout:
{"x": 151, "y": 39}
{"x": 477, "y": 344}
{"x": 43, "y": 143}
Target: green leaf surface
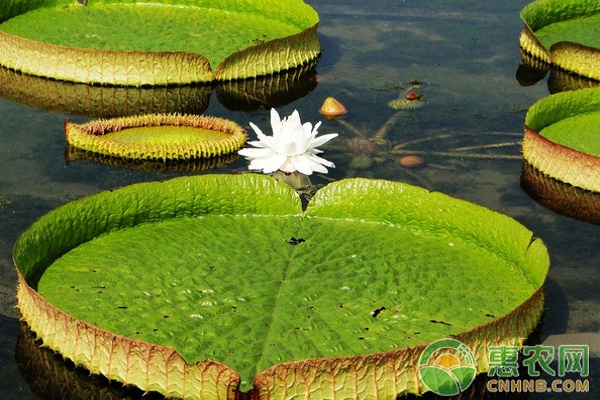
{"x": 371, "y": 266}
{"x": 149, "y": 27}
{"x": 585, "y": 31}
{"x": 554, "y": 21}
{"x": 581, "y": 133}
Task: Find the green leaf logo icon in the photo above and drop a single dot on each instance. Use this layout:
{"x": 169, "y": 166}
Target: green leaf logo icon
{"x": 447, "y": 367}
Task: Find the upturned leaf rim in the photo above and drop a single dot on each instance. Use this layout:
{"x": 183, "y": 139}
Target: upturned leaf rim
{"x": 571, "y": 56}
{"x": 555, "y": 159}
{"x": 162, "y": 68}
{"x": 96, "y": 137}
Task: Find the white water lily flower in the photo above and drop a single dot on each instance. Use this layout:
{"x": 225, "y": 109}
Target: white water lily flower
{"x": 293, "y": 147}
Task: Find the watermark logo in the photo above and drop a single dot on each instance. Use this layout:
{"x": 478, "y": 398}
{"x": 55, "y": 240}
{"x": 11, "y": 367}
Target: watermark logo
{"x": 447, "y": 367}
{"x": 570, "y": 359}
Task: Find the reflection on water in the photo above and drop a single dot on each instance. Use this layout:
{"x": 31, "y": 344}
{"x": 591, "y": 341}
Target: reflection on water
{"x": 113, "y": 101}
{"x": 467, "y": 53}
{"x": 532, "y": 71}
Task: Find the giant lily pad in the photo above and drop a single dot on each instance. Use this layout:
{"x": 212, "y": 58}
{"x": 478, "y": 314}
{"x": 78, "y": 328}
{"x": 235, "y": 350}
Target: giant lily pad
{"x": 160, "y": 42}
{"x": 564, "y": 33}
{"x": 193, "y": 286}
{"x": 157, "y": 137}
{"x": 562, "y": 137}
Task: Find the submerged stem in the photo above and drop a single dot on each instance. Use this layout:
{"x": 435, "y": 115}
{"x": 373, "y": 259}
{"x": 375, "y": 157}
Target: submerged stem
{"x": 487, "y": 146}
{"x": 383, "y": 131}
{"x": 351, "y": 128}
{"x": 458, "y": 154}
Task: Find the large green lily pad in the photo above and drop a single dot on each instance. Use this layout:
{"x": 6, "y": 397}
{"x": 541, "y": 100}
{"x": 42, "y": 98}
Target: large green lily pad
{"x": 562, "y": 137}
{"x": 564, "y": 33}
{"x": 178, "y": 286}
{"x": 124, "y": 42}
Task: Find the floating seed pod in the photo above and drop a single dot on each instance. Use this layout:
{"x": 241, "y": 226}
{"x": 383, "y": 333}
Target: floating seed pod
{"x": 411, "y": 161}
{"x": 414, "y": 96}
{"x": 332, "y": 108}
{"x": 158, "y": 137}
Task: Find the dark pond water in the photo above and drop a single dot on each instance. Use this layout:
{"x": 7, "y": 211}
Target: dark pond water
{"x": 465, "y": 54}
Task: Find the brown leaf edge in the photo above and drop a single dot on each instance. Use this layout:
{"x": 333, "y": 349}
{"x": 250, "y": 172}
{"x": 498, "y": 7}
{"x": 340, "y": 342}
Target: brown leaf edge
{"x": 74, "y": 154}
{"x": 561, "y": 162}
{"x": 158, "y": 368}
{"x": 393, "y": 373}
{"x": 148, "y": 366}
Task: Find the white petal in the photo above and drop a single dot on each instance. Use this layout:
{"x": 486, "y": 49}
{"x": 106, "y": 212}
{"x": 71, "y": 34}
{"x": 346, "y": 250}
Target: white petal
{"x": 256, "y": 153}
{"x": 316, "y": 128}
{"x": 309, "y": 163}
{"x": 321, "y": 140}
{"x": 287, "y": 166}
{"x": 266, "y": 140}
{"x": 256, "y": 129}
{"x": 302, "y": 164}
{"x": 292, "y": 147}
{"x": 258, "y": 143}
{"x": 307, "y": 129}
{"x": 294, "y": 119}
{"x": 320, "y": 160}
{"x": 268, "y": 164}
{"x": 319, "y": 168}
{"x": 276, "y": 122}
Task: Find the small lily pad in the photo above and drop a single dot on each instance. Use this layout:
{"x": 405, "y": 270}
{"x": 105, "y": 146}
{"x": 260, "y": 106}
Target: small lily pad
{"x": 159, "y": 137}
{"x": 562, "y": 136}
{"x": 564, "y": 33}
{"x": 119, "y": 42}
{"x": 193, "y": 286}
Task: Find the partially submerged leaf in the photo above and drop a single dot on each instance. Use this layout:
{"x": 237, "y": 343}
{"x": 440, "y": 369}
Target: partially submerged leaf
{"x": 228, "y": 268}
{"x": 563, "y": 33}
{"x": 562, "y": 137}
{"x": 156, "y": 43}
